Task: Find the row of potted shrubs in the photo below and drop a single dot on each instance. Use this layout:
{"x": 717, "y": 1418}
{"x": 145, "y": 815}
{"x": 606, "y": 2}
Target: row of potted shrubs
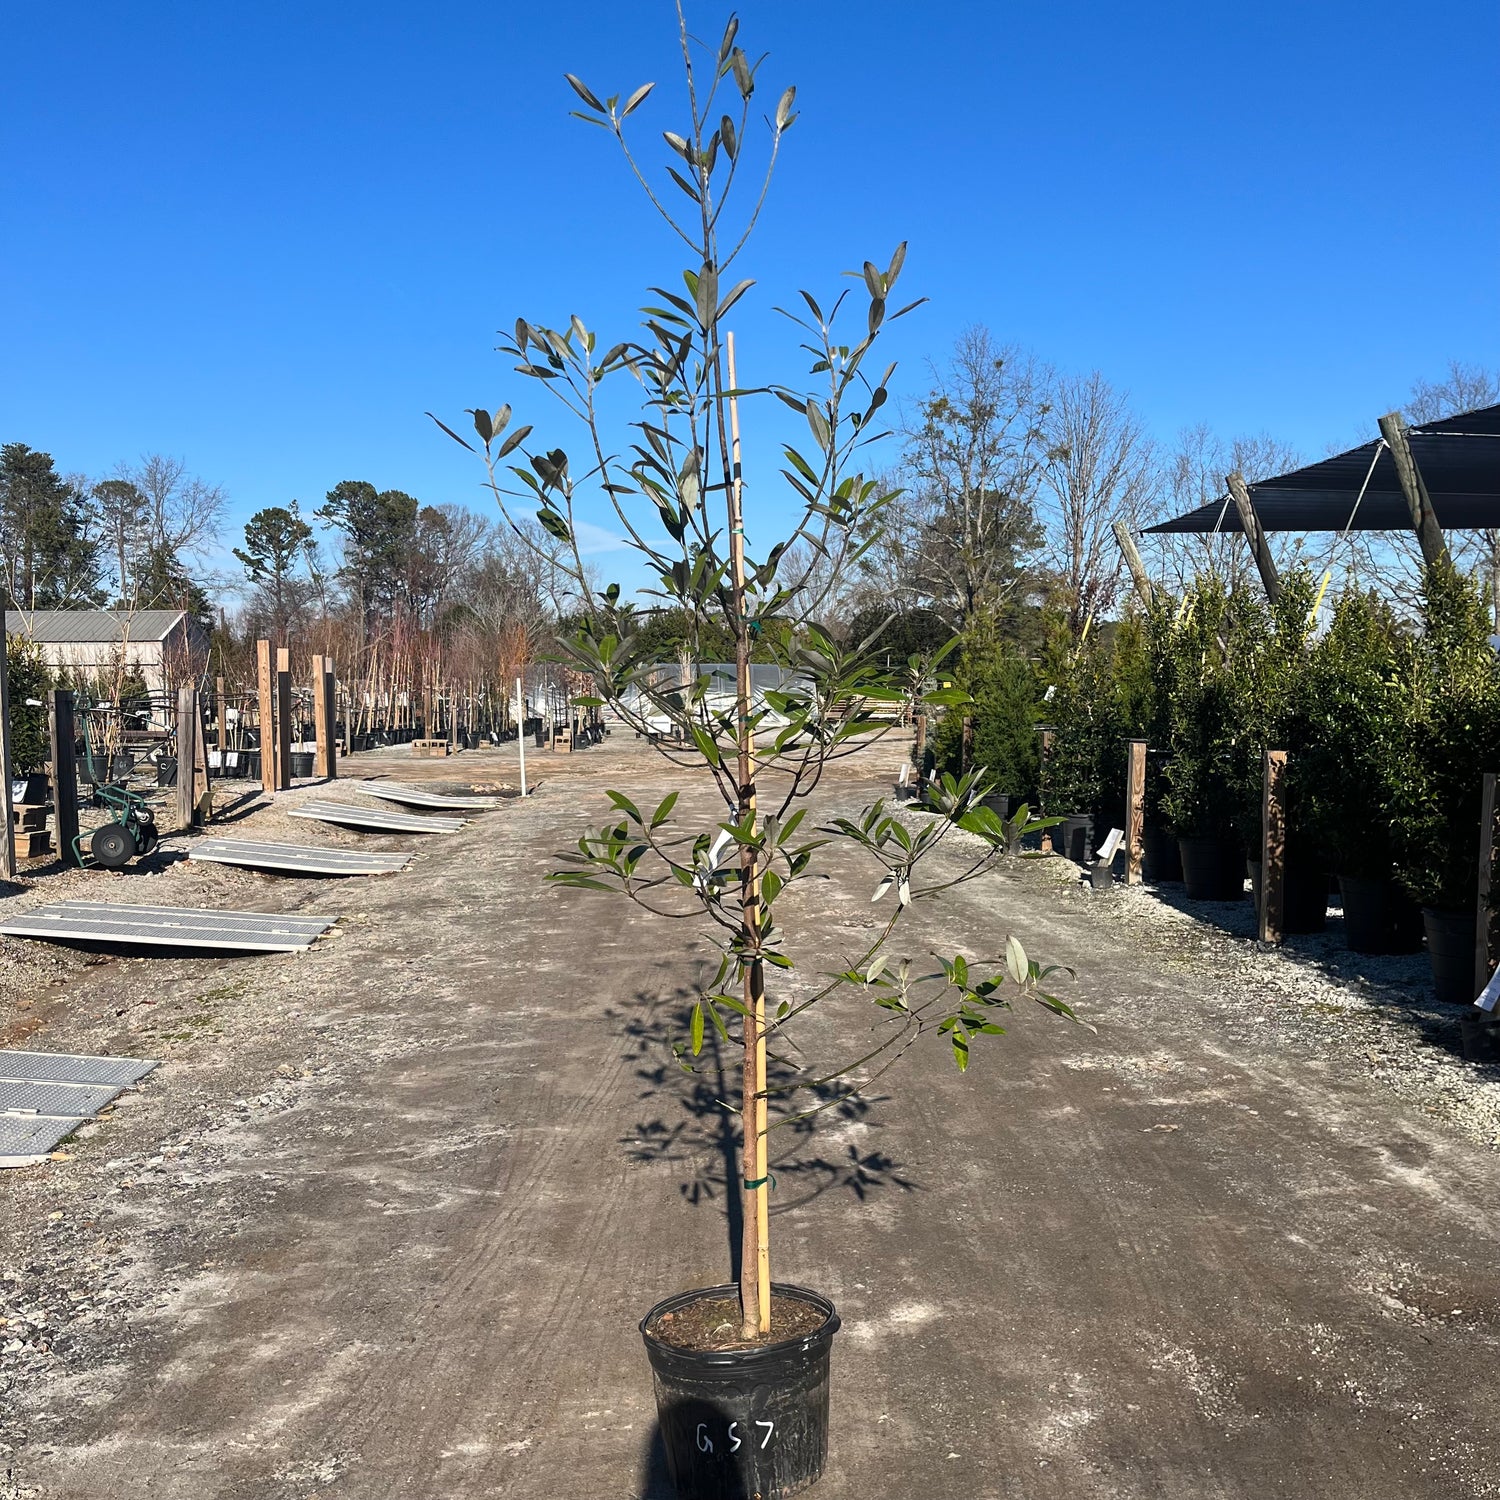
{"x": 1390, "y": 721}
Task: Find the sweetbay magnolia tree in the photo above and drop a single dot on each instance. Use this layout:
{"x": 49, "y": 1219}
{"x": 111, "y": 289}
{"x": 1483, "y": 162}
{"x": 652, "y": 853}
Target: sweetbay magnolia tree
{"x": 673, "y": 482}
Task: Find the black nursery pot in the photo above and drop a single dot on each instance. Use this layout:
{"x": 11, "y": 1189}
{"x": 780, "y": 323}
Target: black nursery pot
{"x": 1304, "y": 896}
{"x": 1161, "y": 856}
{"x": 1379, "y": 917}
{"x": 1070, "y": 837}
{"x": 1450, "y": 947}
{"x": 746, "y": 1422}
{"x": 1213, "y": 869}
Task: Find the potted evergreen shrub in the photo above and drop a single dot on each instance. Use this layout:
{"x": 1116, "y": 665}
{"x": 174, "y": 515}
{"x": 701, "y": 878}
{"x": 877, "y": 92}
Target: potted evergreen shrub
{"x": 1198, "y": 714}
{"x": 1087, "y": 731}
{"x": 1353, "y": 713}
{"x": 741, "y": 1372}
{"x": 1436, "y": 758}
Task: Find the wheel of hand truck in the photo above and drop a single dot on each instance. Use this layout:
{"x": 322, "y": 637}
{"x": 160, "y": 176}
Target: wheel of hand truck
{"x": 112, "y": 846}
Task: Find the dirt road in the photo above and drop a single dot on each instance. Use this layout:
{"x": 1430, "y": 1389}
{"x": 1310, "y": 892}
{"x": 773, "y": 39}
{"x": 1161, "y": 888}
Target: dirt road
{"x": 383, "y": 1223}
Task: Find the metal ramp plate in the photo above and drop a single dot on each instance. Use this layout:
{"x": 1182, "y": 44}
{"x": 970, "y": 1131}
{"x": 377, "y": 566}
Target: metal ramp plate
{"x": 409, "y": 796}
{"x": 30, "y": 1136}
{"x": 68, "y": 1067}
{"x": 30, "y": 1097}
{"x": 46, "y": 1096}
{"x": 168, "y": 926}
{"x": 374, "y": 819}
{"x": 298, "y": 859}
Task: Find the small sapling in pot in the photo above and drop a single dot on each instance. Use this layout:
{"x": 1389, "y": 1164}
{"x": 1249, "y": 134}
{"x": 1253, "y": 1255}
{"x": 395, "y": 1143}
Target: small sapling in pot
{"x": 742, "y": 1369}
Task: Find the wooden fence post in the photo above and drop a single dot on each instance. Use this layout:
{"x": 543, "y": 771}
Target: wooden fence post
{"x": 1135, "y": 809}
{"x": 966, "y": 746}
{"x": 1482, "y": 964}
{"x": 321, "y": 743}
{"x": 64, "y": 773}
{"x": 187, "y": 754}
{"x": 327, "y": 690}
{"x": 7, "y": 802}
{"x": 1273, "y": 847}
{"x": 283, "y": 717}
{"x": 267, "y": 711}
{"x": 1045, "y": 735}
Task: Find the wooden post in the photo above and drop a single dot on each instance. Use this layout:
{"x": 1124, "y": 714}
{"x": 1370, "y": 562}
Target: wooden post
{"x": 283, "y": 718}
{"x": 1482, "y": 965}
{"x": 328, "y": 695}
{"x": 1255, "y": 535}
{"x": 1273, "y": 847}
{"x": 221, "y": 735}
{"x": 1418, "y": 502}
{"x": 203, "y": 793}
{"x": 321, "y": 741}
{"x": 452, "y": 723}
{"x": 1045, "y": 734}
{"x": 7, "y": 802}
{"x": 267, "y": 715}
{"x": 966, "y": 744}
{"x": 1135, "y": 809}
{"x": 187, "y": 754}
{"x": 1132, "y": 556}
{"x": 64, "y": 773}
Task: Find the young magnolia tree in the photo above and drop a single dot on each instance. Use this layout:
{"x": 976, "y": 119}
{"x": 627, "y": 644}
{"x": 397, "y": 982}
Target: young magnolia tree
{"x": 674, "y": 483}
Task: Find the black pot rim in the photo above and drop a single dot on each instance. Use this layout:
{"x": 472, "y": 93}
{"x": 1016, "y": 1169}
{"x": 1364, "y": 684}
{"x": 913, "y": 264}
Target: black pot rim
{"x": 734, "y": 1358}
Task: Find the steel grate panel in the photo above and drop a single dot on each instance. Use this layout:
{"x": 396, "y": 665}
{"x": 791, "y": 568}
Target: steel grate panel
{"x": 35, "y": 1135}
{"x": 169, "y": 926}
{"x": 305, "y": 858}
{"x": 376, "y": 819}
{"x": 413, "y": 797}
{"x": 52, "y": 1098}
{"x": 69, "y": 1067}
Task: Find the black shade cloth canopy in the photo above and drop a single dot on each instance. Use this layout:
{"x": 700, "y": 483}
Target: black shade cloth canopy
{"x": 1458, "y": 458}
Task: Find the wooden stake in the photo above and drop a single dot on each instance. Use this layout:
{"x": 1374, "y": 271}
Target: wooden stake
{"x": 327, "y": 690}
{"x": 64, "y": 773}
{"x": 266, "y": 713}
{"x": 1132, "y": 556}
{"x": 1482, "y": 964}
{"x": 1255, "y": 535}
{"x": 7, "y": 770}
{"x": 1418, "y": 501}
{"x": 203, "y": 797}
{"x": 1273, "y": 847}
{"x": 283, "y": 718}
{"x": 966, "y": 745}
{"x": 322, "y": 732}
{"x": 755, "y": 1259}
{"x": 187, "y": 754}
{"x": 1135, "y": 809}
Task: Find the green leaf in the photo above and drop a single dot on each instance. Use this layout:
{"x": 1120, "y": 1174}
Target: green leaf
{"x": 784, "y": 116}
{"x": 514, "y": 441}
{"x": 482, "y": 424}
{"x": 554, "y": 524}
{"x": 1015, "y": 959}
{"x": 697, "y": 1027}
{"x": 664, "y": 809}
{"x": 707, "y": 294}
{"x": 733, "y": 297}
{"x": 585, "y": 93}
{"x": 636, "y": 99}
{"x": 872, "y": 280}
{"x": 462, "y": 443}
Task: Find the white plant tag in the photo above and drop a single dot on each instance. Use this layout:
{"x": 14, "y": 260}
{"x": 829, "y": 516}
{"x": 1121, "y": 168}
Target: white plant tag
{"x": 1490, "y": 995}
{"x": 905, "y": 773}
{"x": 1111, "y": 845}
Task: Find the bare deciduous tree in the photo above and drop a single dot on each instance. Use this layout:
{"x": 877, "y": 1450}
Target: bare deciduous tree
{"x": 182, "y": 513}
{"x": 1100, "y": 467}
{"x": 958, "y": 536}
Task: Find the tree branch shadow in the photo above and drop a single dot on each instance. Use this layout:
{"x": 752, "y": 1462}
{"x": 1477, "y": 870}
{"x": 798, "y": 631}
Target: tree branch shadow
{"x": 696, "y": 1127}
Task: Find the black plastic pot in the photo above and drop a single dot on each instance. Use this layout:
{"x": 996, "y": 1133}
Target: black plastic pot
{"x": 29, "y": 789}
{"x": 1450, "y": 948}
{"x": 166, "y": 771}
{"x": 1379, "y": 917}
{"x": 1213, "y": 869}
{"x": 1304, "y": 897}
{"x": 302, "y": 763}
{"x": 742, "y": 1423}
{"x": 1161, "y": 858}
{"x": 999, "y": 804}
{"x": 1480, "y": 1034}
{"x": 250, "y": 764}
{"x": 1071, "y": 837}
{"x": 120, "y": 766}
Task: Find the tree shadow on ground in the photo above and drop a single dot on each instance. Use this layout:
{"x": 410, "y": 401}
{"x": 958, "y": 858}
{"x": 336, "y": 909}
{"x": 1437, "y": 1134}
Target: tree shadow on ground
{"x": 1397, "y": 985}
{"x": 696, "y": 1124}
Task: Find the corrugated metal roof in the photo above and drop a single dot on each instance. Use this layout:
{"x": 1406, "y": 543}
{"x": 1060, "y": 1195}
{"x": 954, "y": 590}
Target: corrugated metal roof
{"x": 76, "y": 627}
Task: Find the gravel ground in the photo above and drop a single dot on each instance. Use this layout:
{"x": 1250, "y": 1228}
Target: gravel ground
{"x": 156, "y": 1251}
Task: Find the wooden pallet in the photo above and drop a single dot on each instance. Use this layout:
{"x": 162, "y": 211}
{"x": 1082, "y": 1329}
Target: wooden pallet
{"x": 429, "y": 749}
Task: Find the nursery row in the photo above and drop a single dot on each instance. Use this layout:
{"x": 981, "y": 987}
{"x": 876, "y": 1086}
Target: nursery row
{"x": 1389, "y": 723}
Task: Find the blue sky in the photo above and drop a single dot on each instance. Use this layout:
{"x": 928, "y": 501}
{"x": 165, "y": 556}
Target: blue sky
{"x": 267, "y": 238}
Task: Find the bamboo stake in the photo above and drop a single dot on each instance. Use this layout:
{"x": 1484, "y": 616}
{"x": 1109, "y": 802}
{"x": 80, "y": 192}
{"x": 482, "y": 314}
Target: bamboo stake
{"x": 755, "y": 1259}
